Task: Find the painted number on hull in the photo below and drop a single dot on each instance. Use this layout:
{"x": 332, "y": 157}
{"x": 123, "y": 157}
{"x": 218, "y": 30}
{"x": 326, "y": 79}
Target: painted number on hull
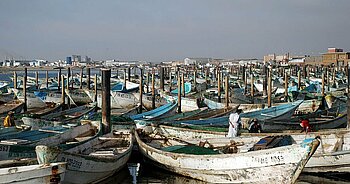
{"x": 72, "y": 163}
{"x": 4, "y": 148}
{"x": 273, "y": 159}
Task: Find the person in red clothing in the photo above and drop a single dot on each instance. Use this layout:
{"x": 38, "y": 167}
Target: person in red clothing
{"x": 304, "y": 123}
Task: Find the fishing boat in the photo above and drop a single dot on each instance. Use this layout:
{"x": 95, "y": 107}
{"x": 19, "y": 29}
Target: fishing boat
{"x": 71, "y": 114}
{"x": 169, "y": 118}
{"x": 33, "y": 174}
{"x": 333, "y": 155}
{"x": 50, "y": 108}
{"x": 118, "y": 100}
{"x": 161, "y": 111}
{"x": 275, "y": 165}
{"x": 15, "y": 105}
{"x": 335, "y": 117}
{"x": 22, "y": 145}
{"x": 281, "y": 112}
{"x": 212, "y": 113}
{"x": 187, "y": 89}
{"x": 147, "y": 100}
{"x": 97, "y": 159}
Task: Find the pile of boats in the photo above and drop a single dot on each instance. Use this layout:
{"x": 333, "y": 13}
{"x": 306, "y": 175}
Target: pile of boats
{"x": 59, "y": 137}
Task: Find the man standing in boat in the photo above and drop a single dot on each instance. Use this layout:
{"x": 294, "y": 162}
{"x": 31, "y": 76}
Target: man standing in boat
{"x": 234, "y": 124}
{"x": 9, "y": 121}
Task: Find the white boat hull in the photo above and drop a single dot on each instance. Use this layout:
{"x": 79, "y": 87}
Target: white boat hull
{"x": 33, "y": 174}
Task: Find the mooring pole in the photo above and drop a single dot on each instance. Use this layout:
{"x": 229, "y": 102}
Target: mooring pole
{"x": 348, "y": 95}
{"x": 47, "y": 80}
{"x": 286, "y": 86}
{"x": 88, "y": 78}
{"x": 129, "y": 74}
{"x": 141, "y": 89}
{"x": 323, "y": 82}
{"x": 147, "y": 81}
{"x": 195, "y": 79}
{"x": 170, "y": 81}
{"x": 63, "y": 94}
{"x": 81, "y": 79}
{"x": 59, "y": 79}
{"x": 269, "y": 89}
{"x": 124, "y": 79}
{"x": 37, "y": 80}
{"x": 95, "y": 86}
{"x": 252, "y": 86}
{"x": 14, "y": 80}
{"x": 265, "y": 80}
{"x": 183, "y": 84}
{"x": 161, "y": 84}
{"x": 219, "y": 85}
{"x": 227, "y": 95}
{"x": 178, "y": 92}
{"x": 153, "y": 92}
{"x": 68, "y": 76}
{"x": 299, "y": 80}
{"x": 106, "y": 100}
{"x": 25, "y": 89}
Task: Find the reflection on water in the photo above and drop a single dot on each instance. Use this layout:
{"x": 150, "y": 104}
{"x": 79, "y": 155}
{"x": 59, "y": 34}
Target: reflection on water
{"x": 139, "y": 172}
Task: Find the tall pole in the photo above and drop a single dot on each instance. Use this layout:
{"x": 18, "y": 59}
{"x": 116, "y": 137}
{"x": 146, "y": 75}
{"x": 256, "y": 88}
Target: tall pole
{"x": 286, "y": 86}
{"x": 14, "y": 80}
{"x": 125, "y": 80}
{"x": 37, "y": 80}
{"x": 269, "y": 89}
{"x": 265, "y": 80}
{"x": 327, "y": 79}
{"x": 153, "y": 92}
{"x": 106, "y": 100}
{"x": 170, "y": 81}
{"x": 323, "y": 81}
{"x": 59, "y": 79}
{"x": 147, "y": 81}
{"x": 88, "y": 77}
{"x": 161, "y": 84}
{"x": 252, "y": 86}
{"x": 299, "y": 80}
{"x": 178, "y": 92}
{"x": 47, "y": 80}
{"x": 63, "y": 94}
{"x": 183, "y": 84}
{"x": 68, "y": 76}
{"x": 129, "y": 74}
{"x": 227, "y": 95}
{"x": 81, "y": 79}
{"x": 141, "y": 88}
{"x": 219, "y": 85}
{"x": 25, "y": 90}
{"x": 95, "y": 87}
{"x": 348, "y": 99}
{"x": 195, "y": 79}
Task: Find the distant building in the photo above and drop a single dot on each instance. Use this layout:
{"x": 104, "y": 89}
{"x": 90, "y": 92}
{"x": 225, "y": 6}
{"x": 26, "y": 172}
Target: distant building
{"x": 69, "y": 60}
{"x": 193, "y": 61}
{"x": 335, "y": 56}
{"x": 35, "y": 62}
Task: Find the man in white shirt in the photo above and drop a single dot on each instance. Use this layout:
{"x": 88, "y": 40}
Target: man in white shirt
{"x": 234, "y": 124}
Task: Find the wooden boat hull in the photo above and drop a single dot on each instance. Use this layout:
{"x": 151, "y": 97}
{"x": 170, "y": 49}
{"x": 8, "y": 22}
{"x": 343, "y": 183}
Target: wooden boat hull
{"x": 16, "y": 106}
{"x": 90, "y": 168}
{"x": 332, "y": 154}
{"x": 33, "y": 174}
{"x": 25, "y": 146}
{"x": 276, "y": 165}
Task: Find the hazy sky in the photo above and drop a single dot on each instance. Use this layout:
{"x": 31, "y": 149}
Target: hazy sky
{"x": 157, "y": 30}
